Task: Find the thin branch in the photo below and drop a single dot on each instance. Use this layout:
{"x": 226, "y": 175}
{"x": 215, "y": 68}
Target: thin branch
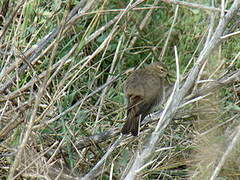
{"x": 77, "y": 103}
{"x": 95, "y": 170}
{"x": 169, "y": 34}
{"x": 146, "y": 153}
{"x": 26, "y": 135}
{"x": 106, "y": 135}
{"x": 217, "y": 84}
{"x": 109, "y": 78}
{"x": 193, "y": 5}
{"x": 35, "y": 109}
{"x": 35, "y": 160}
{"x": 130, "y": 6}
{"x": 17, "y": 120}
{"x": 230, "y": 35}
{"x": 83, "y": 142}
{"x": 36, "y": 49}
{"x": 11, "y": 18}
{"x": 235, "y": 117}
{"x": 143, "y": 23}
{"x": 114, "y": 21}
{"x": 226, "y": 154}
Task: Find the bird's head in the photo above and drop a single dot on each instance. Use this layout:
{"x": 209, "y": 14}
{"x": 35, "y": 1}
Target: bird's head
{"x": 158, "y": 68}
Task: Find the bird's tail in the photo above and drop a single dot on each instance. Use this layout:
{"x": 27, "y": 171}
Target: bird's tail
{"x": 131, "y": 125}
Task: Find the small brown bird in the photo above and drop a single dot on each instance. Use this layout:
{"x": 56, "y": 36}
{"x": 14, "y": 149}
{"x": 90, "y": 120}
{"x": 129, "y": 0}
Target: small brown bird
{"x": 144, "y": 89}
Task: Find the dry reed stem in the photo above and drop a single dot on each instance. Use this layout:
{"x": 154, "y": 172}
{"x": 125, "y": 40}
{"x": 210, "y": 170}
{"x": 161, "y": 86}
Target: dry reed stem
{"x": 43, "y": 124}
{"x": 146, "y": 153}
{"x": 96, "y": 169}
{"x": 204, "y": 92}
{"x": 144, "y": 22}
{"x": 87, "y": 60}
{"x": 229, "y": 149}
{"x": 11, "y": 18}
{"x": 109, "y": 78}
{"x": 35, "y": 160}
{"x": 34, "y": 112}
{"x": 61, "y": 87}
{"x": 193, "y": 5}
{"x": 33, "y": 53}
{"x": 169, "y": 34}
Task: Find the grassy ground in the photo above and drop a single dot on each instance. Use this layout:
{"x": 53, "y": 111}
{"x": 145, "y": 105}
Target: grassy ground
{"x": 50, "y": 101}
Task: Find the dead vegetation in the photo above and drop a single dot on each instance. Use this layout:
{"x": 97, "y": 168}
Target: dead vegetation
{"x": 63, "y": 64}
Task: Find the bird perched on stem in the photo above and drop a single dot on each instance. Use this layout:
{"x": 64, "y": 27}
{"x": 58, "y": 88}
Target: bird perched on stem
{"x": 144, "y": 89}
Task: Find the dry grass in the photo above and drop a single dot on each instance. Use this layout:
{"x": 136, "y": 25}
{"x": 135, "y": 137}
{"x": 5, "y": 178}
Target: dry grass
{"x": 63, "y": 65}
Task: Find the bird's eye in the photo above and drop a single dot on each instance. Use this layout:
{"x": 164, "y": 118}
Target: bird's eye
{"x": 161, "y": 68}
